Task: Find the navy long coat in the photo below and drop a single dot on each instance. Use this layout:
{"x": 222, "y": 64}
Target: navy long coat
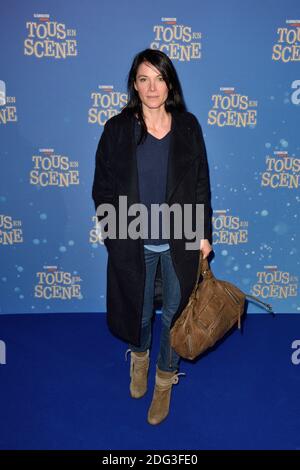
{"x": 187, "y": 182}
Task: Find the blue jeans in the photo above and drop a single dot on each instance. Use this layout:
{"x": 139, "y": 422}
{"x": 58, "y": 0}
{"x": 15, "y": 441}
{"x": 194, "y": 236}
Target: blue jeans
{"x": 168, "y": 359}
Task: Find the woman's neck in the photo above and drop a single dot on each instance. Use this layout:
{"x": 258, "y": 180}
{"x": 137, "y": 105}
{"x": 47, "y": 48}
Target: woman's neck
{"x": 158, "y": 121}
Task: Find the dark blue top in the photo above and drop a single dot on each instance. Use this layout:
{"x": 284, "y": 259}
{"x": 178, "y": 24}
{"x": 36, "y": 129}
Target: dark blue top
{"x": 152, "y": 165}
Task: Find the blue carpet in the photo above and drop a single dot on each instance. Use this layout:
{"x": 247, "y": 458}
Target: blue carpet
{"x": 65, "y": 386}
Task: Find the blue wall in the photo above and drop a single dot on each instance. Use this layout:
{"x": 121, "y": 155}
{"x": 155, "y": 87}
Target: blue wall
{"x": 64, "y": 74}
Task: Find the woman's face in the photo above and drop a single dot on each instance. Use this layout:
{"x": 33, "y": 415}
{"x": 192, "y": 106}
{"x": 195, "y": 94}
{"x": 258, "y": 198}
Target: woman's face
{"x": 150, "y": 85}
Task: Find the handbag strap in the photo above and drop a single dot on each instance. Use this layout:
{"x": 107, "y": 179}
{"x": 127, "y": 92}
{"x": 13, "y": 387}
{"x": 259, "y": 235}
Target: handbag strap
{"x": 268, "y": 306}
{"x": 203, "y": 267}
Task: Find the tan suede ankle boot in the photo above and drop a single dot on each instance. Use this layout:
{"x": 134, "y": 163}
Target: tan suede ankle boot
{"x": 139, "y": 366}
{"x": 159, "y": 408}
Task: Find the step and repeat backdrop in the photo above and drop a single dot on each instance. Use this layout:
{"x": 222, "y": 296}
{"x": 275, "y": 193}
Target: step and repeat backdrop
{"x": 63, "y": 74}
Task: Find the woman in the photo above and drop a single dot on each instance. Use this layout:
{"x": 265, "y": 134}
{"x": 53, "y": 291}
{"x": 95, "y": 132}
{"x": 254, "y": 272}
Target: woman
{"x": 151, "y": 153}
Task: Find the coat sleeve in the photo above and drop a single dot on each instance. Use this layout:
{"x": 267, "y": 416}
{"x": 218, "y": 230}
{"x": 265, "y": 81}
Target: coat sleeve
{"x": 103, "y": 190}
{"x": 203, "y": 191}
{"x": 103, "y": 185}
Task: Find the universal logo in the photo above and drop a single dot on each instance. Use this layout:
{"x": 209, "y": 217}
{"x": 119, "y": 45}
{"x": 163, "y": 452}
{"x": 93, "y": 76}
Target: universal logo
{"x": 10, "y": 230}
{"x": 295, "y": 358}
{"x": 2, "y": 352}
{"x": 282, "y": 171}
{"x": 232, "y": 109}
{"x": 50, "y": 169}
{"x": 8, "y": 110}
{"x": 178, "y": 41}
{"x": 47, "y": 38}
{"x": 105, "y": 103}
{"x": 57, "y": 284}
{"x": 287, "y": 48}
{"x": 229, "y": 229}
{"x": 275, "y": 283}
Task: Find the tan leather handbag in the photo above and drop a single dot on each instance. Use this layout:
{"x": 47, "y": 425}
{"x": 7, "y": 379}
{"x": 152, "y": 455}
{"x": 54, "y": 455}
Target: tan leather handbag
{"x": 213, "y": 308}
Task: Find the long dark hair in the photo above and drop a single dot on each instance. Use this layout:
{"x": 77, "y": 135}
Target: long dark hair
{"x": 175, "y": 98}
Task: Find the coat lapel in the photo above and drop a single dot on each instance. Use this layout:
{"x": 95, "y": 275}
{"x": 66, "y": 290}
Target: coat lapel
{"x": 181, "y": 156}
{"x": 181, "y": 153}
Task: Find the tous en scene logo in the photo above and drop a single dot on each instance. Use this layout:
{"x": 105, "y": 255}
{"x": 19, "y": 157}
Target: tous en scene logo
{"x": 50, "y": 169}
{"x": 47, "y": 38}
{"x": 232, "y": 109}
{"x": 95, "y": 233}
{"x": 105, "y": 104}
{"x": 8, "y": 110}
{"x": 282, "y": 171}
{"x": 287, "y": 48}
{"x": 177, "y": 40}
{"x": 275, "y": 283}
{"x": 229, "y": 229}
{"x": 10, "y": 230}
{"x": 57, "y": 284}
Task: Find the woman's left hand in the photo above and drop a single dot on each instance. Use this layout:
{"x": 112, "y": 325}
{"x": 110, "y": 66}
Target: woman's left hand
{"x": 205, "y": 247}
